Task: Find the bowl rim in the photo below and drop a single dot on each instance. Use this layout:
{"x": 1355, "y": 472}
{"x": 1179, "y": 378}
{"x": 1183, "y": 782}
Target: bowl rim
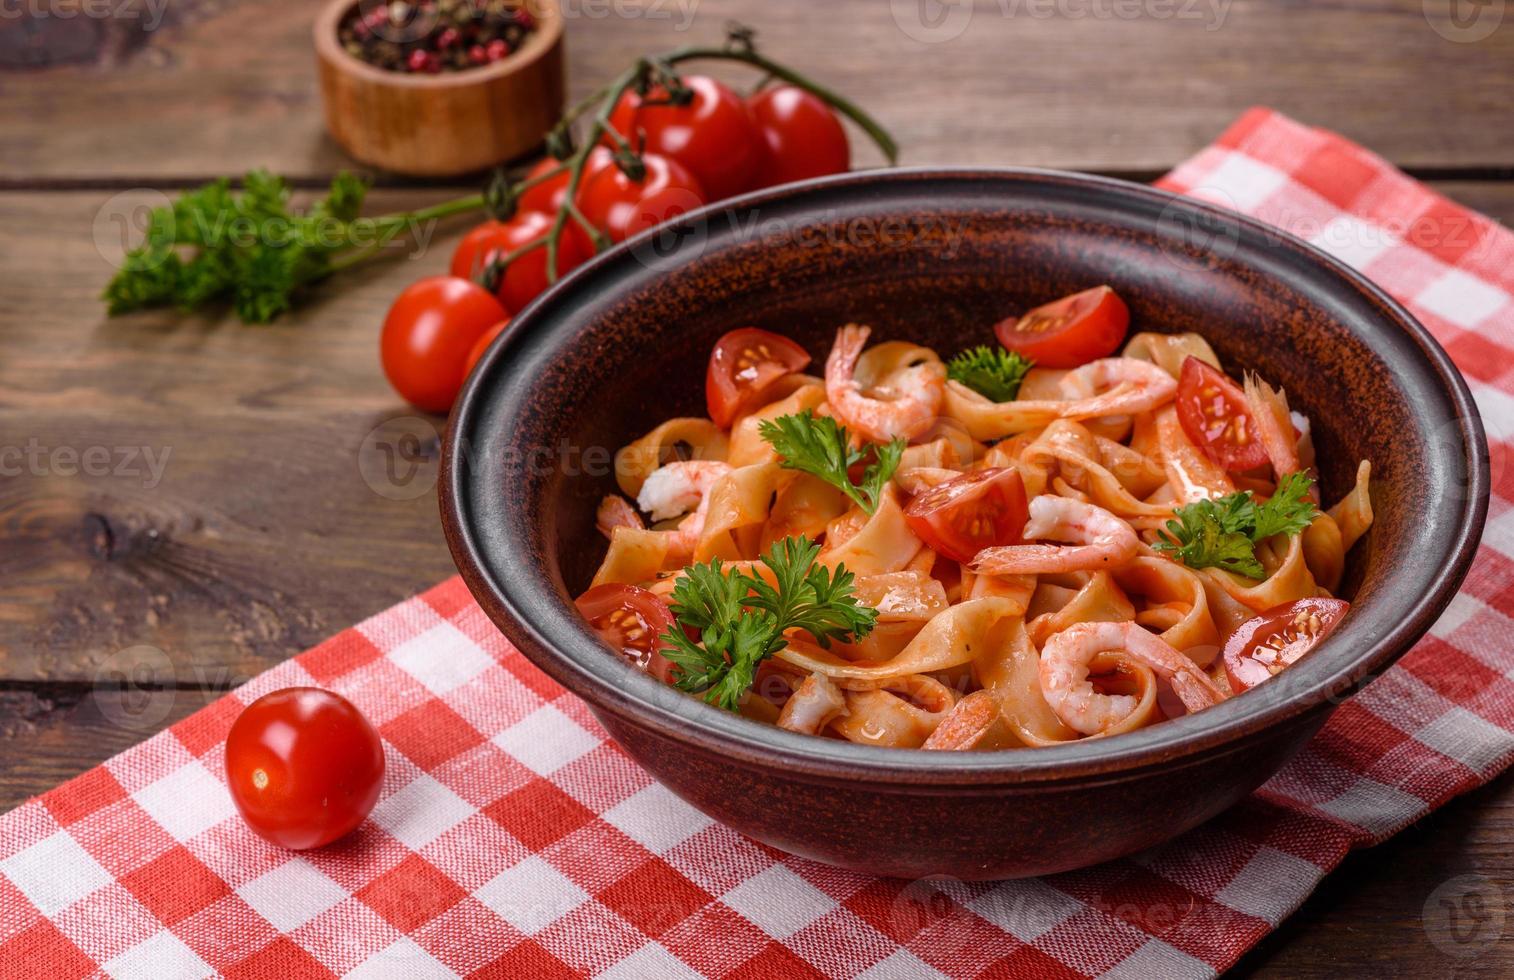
{"x": 547, "y": 36}
{"x": 1176, "y": 742}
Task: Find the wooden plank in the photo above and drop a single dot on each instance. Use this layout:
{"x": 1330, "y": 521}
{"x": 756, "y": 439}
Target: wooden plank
{"x": 220, "y": 88}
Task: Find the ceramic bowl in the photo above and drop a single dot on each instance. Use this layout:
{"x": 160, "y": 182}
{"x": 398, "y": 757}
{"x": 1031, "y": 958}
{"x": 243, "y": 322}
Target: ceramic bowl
{"x": 937, "y": 256}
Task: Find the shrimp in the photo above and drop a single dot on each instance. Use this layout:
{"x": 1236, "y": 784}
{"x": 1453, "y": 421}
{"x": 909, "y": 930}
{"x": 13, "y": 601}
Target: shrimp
{"x": 614, "y": 511}
{"x": 1274, "y": 427}
{"x": 904, "y": 409}
{"x": 682, "y": 487}
{"x": 1103, "y": 540}
{"x": 1064, "y": 666}
{"x": 1116, "y": 386}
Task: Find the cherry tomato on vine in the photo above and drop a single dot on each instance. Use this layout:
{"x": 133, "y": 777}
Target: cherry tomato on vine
{"x": 524, "y": 278}
{"x": 630, "y": 619}
{"x": 483, "y": 345}
{"x": 1070, "y": 332}
{"x": 1212, "y": 410}
{"x": 548, "y": 196}
{"x": 621, "y": 207}
{"x": 304, "y": 767}
{"x": 977, "y": 510}
{"x": 427, "y": 336}
{"x": 743, "y": 364}
{"x": 713, "y": 136}
{"x": 1263, "y": 646}
{"x": 802, "y": 137}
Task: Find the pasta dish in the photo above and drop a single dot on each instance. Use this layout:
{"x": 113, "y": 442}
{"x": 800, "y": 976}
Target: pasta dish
{"x": 1074, "y": 532}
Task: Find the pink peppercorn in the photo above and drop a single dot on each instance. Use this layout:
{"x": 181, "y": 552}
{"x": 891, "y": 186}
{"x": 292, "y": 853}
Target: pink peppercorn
{"x": 497, "y": 49}
{"x": 477, "y": 54}
{"x": 418, "y": 61}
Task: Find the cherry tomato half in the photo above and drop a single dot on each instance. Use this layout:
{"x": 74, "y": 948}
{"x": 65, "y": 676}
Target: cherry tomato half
{"x": 713, "y": 136}
{"x": 743, "y": 364}
{"x": 1070, "y": 332}
{"x": 526, "y": 277}
{"x": 801, "y": 136}
{"x": 1212, "y": 410}
{"x": 621, "y": 207}
{"x": 630, "y": 619}
{"x": 427, "y": 336}
{"x": 548, "y": 196}
{"x": 304, "y": 767}
{"x": 1263, "y": 646}
{"x": 976, "y": 510}
{"x": 483, "y": 345}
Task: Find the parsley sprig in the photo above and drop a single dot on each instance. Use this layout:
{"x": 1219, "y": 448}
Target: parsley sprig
{"x": 992, "y": 372}
{"x": 741, "y": 618}
{"x": 822, "y": 448}
{"x": 1223, "y": 533}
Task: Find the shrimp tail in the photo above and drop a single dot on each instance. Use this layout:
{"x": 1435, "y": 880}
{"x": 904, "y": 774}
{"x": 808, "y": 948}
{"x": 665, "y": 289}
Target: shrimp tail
{"x": 1274, "y": 424}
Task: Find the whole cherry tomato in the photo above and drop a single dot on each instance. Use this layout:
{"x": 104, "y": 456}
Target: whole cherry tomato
{"x": 304, "y": 767}
{"x": 1261, "y": 647}
{"x": 548, "y": 196}
{"x": 743, "y": 364}
{"x": 630, "y": 619}
{"x": 483, "y": 345}
{"x": 1212, "y": 410}
{"x": 427, "y": 336}
{"x": 802, "y": 137}
{"x": 713, "y": 136}
{"x": 621, "y": 207}
{"x": 1070, "y": 332}
{"x": 976, "y": 510}
{"x": 525, "y": 277}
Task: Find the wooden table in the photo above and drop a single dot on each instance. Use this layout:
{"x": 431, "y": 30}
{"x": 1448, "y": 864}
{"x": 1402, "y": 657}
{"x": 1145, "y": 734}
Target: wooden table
{"x": 128, "y": 597}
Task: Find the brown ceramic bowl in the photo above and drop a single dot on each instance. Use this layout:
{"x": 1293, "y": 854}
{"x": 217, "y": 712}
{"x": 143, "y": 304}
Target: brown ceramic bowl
{"x": 937, "y": 257}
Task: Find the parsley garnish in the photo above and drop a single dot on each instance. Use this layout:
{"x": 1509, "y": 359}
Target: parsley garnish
{"x": 1224, "y": 533}
{"x": 741, "y": 618}
{"x": 820, "y": 447}
{"x": 992, "y": 372}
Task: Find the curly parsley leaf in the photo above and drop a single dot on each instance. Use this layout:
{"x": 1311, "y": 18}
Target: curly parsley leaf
{"x": 741, "y": 618}
{"x": 992, "y": 372}
{"x": 822, "y": 448}
{"x": 1223, "y": 533}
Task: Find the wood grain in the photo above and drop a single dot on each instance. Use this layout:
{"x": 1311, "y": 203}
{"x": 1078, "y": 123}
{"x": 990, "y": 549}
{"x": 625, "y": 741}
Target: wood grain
{"x": 224, "y": 87}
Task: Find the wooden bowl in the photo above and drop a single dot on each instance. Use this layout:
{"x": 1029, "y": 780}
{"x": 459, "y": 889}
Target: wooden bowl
{"x": 937, "y": 257}
{"x": 446, "y": 124}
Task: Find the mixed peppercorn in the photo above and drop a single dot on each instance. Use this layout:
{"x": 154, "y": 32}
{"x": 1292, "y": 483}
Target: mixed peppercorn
{"x": 430, "y": 36}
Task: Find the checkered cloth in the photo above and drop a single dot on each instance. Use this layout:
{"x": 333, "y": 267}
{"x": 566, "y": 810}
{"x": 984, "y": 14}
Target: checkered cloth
{"x": 512, "y": 839}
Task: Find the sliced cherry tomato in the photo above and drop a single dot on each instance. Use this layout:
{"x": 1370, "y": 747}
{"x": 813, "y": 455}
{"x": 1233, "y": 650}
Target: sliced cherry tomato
{"x": 713, "y": 136}
{"x": 801, "y": 136}
{"x": 1212, "y": 410}
{"x": 630, "y": 619}
{"x": 548, "y": 196}
{"x": 483, "y": 345}
{"x": 427, "y": 336}
{"x": 1071, "y": 332}
{"x": 621, "y": 207}
{"x": 304, "y": 766}
{"x": 1263, "y": 646}
{"x": 745, "y": 363}
{"x": 526, "y": 277}
{"x": 977, "y": 510}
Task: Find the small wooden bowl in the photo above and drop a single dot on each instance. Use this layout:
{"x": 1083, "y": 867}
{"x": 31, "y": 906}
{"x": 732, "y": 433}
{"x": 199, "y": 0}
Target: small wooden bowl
{"x": 445, "y": 124}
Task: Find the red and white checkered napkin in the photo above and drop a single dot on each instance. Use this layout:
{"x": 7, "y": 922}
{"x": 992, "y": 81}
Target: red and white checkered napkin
{"x": 513, "y": 840}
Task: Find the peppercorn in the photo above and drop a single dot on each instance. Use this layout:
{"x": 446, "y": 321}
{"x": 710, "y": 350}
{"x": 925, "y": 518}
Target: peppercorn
{"x": 435, "y": 35}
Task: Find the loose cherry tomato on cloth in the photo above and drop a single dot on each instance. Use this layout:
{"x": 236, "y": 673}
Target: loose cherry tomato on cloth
{"x": 548, "y": 196}
{"x": 304, "y": 767}
{"x": 427, "y": 336}
{"x": 1070, "y": 332}
{"x": 525, "y": 278}
{"x": 744, "y": 363}
{"x": 1263, "y": 646}
{"x": 621, "y": 207}
{"x": 483, "y": 345}
{"x": 1212, "y": 410}
{"x": 713, "y": 136}
{"x": 977, "y": 510}
{"x": 802, "y": 137}
{"x": 630, "y": 619}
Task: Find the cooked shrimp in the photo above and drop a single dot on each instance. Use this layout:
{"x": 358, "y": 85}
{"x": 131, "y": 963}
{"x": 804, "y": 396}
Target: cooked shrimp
{"x": 615, "y": 511}
{"x": 1116, "y": 386}
{"x": 1102, "y": 541}
{"x": 681, "y": 487}
{"x": 904, "y": 408}
{"x": 1065, "y": 661}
